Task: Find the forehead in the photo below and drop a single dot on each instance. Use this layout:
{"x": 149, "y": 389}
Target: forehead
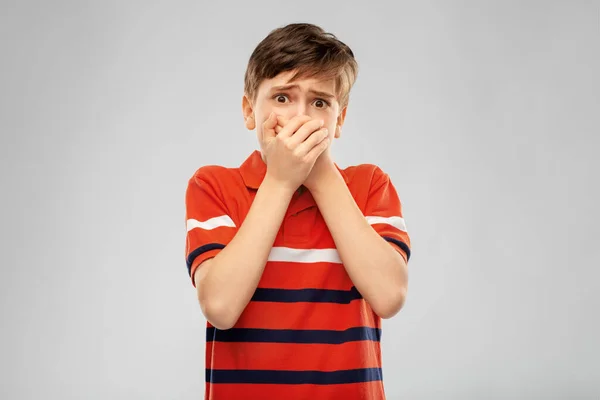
{"x": 315, "y": 83}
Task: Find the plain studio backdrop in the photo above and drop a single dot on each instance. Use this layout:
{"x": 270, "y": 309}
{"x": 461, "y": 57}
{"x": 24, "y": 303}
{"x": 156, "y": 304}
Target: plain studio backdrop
{"x": 486, "y": 115}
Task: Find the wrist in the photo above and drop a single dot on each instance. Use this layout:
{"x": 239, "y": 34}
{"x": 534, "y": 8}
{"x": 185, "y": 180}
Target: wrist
{"x": 276, "y": 187}
{"x": 326, "y": 180}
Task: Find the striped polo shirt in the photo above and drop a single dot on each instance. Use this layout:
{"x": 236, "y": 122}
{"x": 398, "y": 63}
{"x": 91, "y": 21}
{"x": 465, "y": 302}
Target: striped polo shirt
{"x": 307, "y": 333}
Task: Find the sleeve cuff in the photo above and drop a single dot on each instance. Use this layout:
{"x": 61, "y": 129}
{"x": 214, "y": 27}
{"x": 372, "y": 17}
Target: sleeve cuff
{"x": 400, "y": 247}
{"x": 200, "y": 259}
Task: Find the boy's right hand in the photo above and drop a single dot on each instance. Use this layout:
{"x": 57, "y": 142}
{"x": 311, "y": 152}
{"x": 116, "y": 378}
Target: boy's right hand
{"x": 291, "y": 153}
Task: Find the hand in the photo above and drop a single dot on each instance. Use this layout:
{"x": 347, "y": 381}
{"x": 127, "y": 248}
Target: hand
{"x": 322, "y": 167}
{"x": 291, "y": 152}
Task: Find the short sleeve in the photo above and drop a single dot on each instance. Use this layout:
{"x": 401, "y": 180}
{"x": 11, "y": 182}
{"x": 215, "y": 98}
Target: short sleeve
{"x": 384, "y": 213}
{"x": 208, "y": 222}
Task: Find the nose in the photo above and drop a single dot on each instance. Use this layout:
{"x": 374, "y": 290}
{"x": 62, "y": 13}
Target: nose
{"x": 301, "y": 109}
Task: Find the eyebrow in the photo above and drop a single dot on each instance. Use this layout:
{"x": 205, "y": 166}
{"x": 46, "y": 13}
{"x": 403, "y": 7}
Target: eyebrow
{"x": 288, "y": 87}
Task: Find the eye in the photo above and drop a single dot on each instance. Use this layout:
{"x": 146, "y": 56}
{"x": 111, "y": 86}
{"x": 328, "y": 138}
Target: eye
{"x": 280, "y": 98}
{"x": 320, "y": 103}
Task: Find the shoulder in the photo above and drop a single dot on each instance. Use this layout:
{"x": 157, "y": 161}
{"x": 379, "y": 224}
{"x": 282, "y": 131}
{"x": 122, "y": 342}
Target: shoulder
{"x": 365, "y": 174}
{"x": 217, "y": 179}
{"x": 210, "y": 173}
{"x": 363, "y": 180}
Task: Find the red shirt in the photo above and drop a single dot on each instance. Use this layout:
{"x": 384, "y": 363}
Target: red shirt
{"x": 307, "y": 333}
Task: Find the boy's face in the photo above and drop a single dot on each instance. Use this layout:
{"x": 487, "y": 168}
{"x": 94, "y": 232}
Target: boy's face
{"x": 313, "y": 97}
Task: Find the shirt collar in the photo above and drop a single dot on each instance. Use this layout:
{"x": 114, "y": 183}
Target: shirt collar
{"x": 254, "y": 169}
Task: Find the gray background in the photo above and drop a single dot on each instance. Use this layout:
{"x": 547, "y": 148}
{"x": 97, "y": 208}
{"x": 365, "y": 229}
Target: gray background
{"x": 485, "y": 114}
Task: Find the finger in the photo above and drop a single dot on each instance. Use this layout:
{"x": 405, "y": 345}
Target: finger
{"x": 313, "y": 140}
{"x": 305, "y": 131}
{"x": 278, "y": 129}
{"x": 293, "y": 125}
{"x": 318, "y": 149}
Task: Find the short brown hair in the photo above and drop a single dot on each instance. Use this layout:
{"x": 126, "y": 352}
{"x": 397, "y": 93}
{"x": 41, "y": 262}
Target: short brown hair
{"x": 308, "y": 49}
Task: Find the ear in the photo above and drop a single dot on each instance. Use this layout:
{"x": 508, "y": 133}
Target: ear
{"x": 248, "y": 113}
{"x": 340, "y": 121}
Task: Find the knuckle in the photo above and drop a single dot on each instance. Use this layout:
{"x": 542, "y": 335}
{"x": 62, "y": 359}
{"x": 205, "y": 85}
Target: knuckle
{"x": 313, "y": 124}
{"x": 303, "y": 119}
{"x": 298, "y": 118}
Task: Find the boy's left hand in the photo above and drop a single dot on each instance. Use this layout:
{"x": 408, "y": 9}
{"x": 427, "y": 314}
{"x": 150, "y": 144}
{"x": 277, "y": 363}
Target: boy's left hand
{"x": 323, "y": 167}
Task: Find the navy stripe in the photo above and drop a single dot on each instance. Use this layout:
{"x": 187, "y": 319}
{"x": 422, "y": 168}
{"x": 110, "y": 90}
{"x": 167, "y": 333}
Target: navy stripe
{"x": 400, "y": 244}
{"x": 294, "y": 377}
{"x": 202, "y": 249}
{"x": 293, "y": 335}
{"x": 306, "y": 295}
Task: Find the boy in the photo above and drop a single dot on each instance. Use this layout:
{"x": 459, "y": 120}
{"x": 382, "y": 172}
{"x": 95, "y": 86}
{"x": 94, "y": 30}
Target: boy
{"x": 295, "y": 261}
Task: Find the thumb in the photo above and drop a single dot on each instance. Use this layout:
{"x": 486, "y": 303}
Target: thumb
{"x": 269, "y": 126}
{"x": 281, "y": 120}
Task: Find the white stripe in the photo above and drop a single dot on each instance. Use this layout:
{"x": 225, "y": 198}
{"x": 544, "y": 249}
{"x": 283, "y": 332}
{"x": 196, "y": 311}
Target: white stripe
{"x": 216, "y": 222}
{"x": 304, "y": 256}
{"x": 396, "y": 222}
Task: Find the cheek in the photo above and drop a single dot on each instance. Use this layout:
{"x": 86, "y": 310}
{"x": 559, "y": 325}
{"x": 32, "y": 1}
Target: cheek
{"x": 260, "y": 120}
{"x": 331, "y": 131}
{"x": 331, "y": 137}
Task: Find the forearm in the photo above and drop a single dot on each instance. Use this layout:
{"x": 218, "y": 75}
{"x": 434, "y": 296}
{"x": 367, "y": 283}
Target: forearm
{"x": 377, "y": 270}
{"x": 234, "y": 273}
